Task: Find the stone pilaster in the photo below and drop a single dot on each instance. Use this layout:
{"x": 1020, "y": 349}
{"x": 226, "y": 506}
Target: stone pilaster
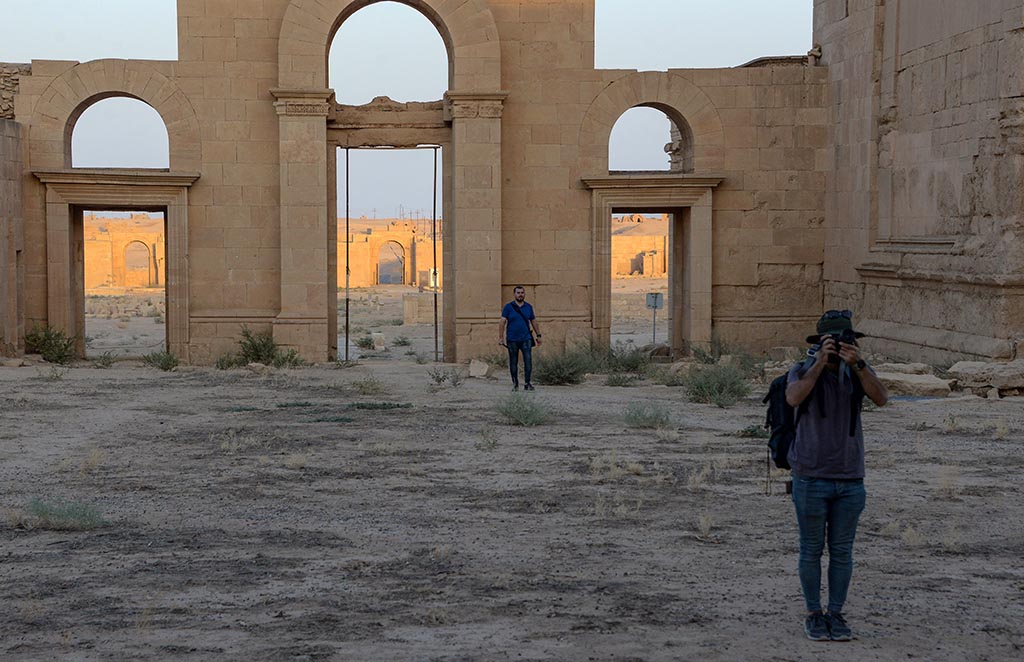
{"x": 472, "y": 243}
{"x": 307, "y": 284}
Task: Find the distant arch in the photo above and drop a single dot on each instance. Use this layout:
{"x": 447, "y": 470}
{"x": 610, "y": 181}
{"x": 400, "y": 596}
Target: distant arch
{"x": 686, "y": 105}
{"x": 138, "y": 264}
{"x": 70, "y": 94}
{"x": 391, "y": 263}
{"x": 467, "y": 28}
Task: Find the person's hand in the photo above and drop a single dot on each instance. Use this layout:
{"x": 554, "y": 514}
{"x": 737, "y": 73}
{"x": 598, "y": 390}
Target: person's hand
{"x": 537, "y": 340}
{"x": 828, "y": 348}
{"x": 503, "y": 344}
{"x": 849, "y": 353}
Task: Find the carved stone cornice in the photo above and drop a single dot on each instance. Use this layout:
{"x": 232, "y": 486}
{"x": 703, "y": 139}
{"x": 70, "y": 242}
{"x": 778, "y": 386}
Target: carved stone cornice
{"x": 306, "y": 102}
{"x": 116, "y": 177}
{"x": 650, "y": 180}
{"x": 467, "y": 105}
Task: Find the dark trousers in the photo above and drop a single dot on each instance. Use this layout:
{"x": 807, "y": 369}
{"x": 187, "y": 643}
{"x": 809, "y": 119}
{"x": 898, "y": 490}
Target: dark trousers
{"x": 514, "y": 347}
{"x": 827, "y": 511}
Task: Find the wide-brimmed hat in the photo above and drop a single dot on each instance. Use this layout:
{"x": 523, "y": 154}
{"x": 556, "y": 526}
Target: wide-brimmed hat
{"x": 834, "y": 321}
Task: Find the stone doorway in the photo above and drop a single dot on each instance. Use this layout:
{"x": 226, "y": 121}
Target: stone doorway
{"x": 687, "y": 201}
{"x": 69, "y": 193}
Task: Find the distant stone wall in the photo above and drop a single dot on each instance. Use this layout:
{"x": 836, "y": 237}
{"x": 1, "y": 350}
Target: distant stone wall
{"x": 12, "y": 271}
{"x": 9, "y": 76}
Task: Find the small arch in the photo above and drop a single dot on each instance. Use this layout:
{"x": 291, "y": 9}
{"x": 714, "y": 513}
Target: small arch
{"x": 132, "y": 132}
{"x": 138, "y": 265}
{"x": 652, "y": 124}
{"x": 62, "y": 103}
{"x": 391, "y": 264}
{"x": 686, "y": 104}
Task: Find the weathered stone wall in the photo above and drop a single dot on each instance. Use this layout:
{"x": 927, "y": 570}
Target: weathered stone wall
{"x": 12, "y": 276}
{"x": 9, "y": 77}
{"x": 925, "y": 197}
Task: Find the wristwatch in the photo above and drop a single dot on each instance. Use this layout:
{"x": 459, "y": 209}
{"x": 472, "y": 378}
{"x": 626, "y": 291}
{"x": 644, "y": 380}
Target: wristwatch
{"x": 537, "y": 334}
{"x": 861, "y": 364}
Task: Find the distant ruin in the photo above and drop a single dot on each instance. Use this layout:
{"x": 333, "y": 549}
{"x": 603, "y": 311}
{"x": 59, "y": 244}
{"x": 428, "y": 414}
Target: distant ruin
{"x": 881, "y": 172}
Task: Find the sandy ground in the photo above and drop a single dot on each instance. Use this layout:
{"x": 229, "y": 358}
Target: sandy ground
{"x": 269, "y": 517}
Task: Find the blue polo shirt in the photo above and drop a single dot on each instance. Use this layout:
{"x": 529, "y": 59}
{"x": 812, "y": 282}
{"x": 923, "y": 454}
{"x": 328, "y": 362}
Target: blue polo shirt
{"x": 517, "y": 330}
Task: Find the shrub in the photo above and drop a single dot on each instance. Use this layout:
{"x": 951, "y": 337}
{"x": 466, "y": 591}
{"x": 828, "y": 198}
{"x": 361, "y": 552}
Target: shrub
{"x": 722, "y": 385}
{"x": 366, "y": 342}
{"x": 564, "y": 368}
{"x": 651, "y": 415}
{"x": 621, "y": 379}
{"x": 499, "y": 359}
{"x": 64, "y": 515}
{"x": 104, "y": 360}
{"x": 380, "y": 406}
{"x": 440, "y": 376}
{"x": 668, "y": 378}
{"x": 754, "y": 431}
{"x": 518, "y": 409}
{"x": 369, "y": 386}
{"x": 260, "y": 348}
{"x": 163, "y": 360}
{"x": 624, "y": 357}
{"x": 55, "y": 346}
{"x": 401, "y": 341}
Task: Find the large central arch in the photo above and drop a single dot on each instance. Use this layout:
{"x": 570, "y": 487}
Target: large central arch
{"x": 472, "y": 112}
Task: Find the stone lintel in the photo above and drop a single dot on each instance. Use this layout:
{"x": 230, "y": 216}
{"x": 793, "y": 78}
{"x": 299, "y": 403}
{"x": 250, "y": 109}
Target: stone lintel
{"x": 646, "y": 180}
{"x": 117, "y": 177}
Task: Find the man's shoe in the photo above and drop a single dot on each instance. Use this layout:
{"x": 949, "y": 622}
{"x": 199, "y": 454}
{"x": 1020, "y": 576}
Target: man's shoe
{"x": 837, "y": 628}
{"x": 515, "y": 387}
{"x": 528, "y": 387}
{"x": 816, "y": 627}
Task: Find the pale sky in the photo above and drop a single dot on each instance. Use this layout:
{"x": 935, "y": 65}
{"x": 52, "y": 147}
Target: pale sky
{"x": 631, "y": 34}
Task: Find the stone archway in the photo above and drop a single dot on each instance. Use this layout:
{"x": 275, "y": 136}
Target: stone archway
{"x": 68, "y": 189}
{"x": 471, "y": 121}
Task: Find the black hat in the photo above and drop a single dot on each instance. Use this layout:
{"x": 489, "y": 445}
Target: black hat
{"x": 834, "y": 321}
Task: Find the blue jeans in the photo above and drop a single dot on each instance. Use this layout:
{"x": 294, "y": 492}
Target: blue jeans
{"x": 827, "y": 510}
{"x": 514, "y": 347}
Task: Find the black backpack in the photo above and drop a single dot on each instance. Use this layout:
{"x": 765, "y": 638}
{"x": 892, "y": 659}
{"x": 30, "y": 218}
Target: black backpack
{"x": 781, "y": 420}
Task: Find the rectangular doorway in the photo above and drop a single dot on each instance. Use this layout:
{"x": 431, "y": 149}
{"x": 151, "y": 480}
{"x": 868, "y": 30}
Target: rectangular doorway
{"x": 122, "y": 281}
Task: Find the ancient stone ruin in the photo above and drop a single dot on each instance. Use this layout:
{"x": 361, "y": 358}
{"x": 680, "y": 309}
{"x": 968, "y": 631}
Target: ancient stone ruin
{"x": 882, "y": 172}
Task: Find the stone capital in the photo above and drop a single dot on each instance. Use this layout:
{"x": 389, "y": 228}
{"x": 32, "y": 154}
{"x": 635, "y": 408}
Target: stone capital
{"x": 465, "y": 105}
{"x": 303, "y": 102}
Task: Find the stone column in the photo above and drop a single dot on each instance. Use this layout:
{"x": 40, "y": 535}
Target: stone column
{"x": 303, "y": 322}
{"x": 472, "y": 238}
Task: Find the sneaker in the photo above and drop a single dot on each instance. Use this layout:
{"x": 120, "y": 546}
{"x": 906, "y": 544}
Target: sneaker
{"x": 837, "y": 627}
{"x": 515, "y": 387}
{"x": 528, "y": 387}
{"x": 816, "y": 627}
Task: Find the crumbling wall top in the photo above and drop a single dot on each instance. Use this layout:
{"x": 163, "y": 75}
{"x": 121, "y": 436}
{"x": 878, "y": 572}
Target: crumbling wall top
{"x": 10, "y": 74}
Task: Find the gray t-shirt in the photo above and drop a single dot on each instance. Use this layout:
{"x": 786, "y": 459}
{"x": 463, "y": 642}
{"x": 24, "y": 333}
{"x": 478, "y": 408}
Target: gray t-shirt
{"x": 823, "y": 447}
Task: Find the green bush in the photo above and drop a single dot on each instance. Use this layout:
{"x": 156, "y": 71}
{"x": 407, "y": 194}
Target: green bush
{"x": 518, "y": 409}
{"x": 624, "y": 357}
{"x": 55, "y": 346}
{"x": 162, "y": 360}
{"x": 666, "y": 377}
{"x": 754, "y": 431}
{"x": 228, "y": 361}
{"x": 567, "y": 367}
{"x": 256, "y": 347}
{"x": 401, "y": 341}
{"x": 104, "y": 360}
{"x": 64, "y": 515}
{"x": 651, "y": 415}
{"x": 366, "y": 342}
{"x": 722, "y": 385}
{"x": 499, "y": 359}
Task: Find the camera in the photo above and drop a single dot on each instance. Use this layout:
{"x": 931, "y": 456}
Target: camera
{"x": 847, "y": 337}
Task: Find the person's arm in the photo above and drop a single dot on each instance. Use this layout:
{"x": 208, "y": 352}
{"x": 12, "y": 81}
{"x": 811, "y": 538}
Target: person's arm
{"x": 797, "y": 392}
{"x": 536, "y": 330}
{"x": 873, "y": 386}
{"x": 501, "y": 331}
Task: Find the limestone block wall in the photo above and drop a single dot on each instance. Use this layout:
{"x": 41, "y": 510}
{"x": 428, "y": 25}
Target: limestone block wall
{"x": 628, "y": 256}
{"x": 924, "y": 194}
{"x": 12, "y": 241}
{"x": 769, "y": 143}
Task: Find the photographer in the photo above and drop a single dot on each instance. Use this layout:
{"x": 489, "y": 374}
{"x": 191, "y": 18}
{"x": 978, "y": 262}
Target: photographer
{"x": 827, "y": 458}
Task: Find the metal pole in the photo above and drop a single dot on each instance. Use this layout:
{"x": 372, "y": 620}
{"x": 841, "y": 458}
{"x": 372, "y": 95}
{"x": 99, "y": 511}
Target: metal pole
{"x": 348, "y": 272}
{"x": 433, "y": 232}
{"x": 654, "y": 329}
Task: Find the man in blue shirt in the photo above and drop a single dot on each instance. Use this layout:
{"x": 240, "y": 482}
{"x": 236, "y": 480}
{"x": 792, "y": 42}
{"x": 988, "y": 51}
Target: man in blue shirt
{"x": 827, "y": 457}
{"x": 514, "y": 333}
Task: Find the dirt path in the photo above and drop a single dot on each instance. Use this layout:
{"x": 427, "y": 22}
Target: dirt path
{"x": 269, "y": 518}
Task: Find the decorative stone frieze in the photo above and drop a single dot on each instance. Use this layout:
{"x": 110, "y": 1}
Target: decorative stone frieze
{"x": 466, "y": 105}
{"x": 317, "y": 103}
